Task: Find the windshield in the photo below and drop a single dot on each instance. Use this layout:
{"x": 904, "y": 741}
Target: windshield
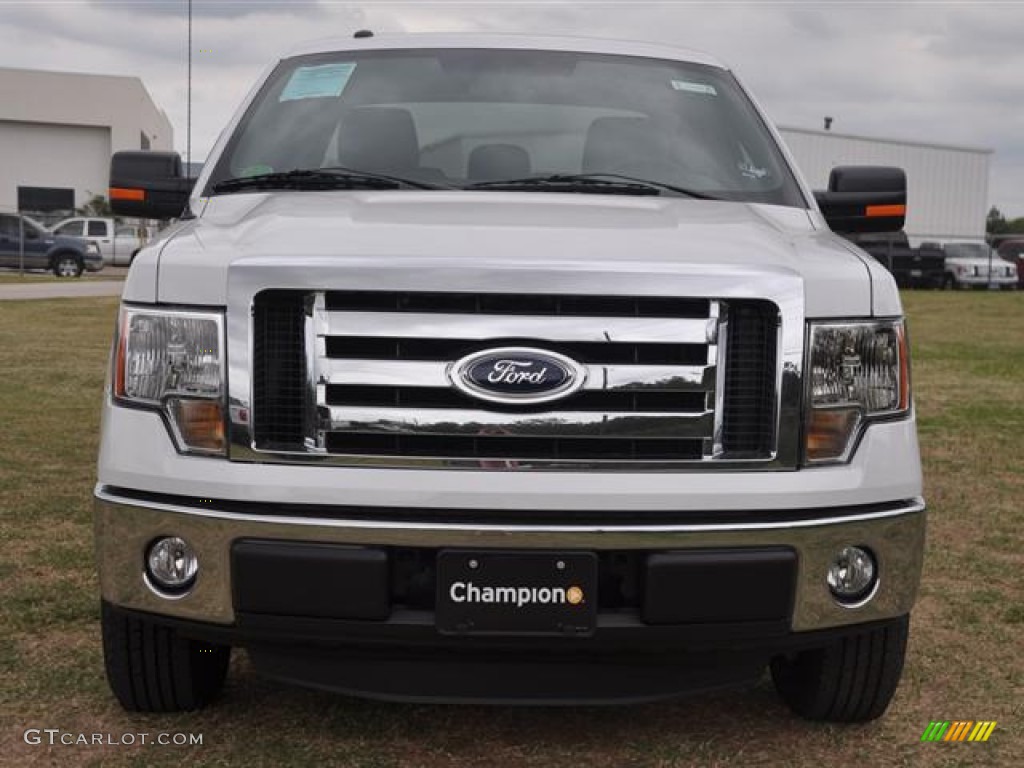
{"x": 976, "y": 250}
{"x": 458, "y": 118}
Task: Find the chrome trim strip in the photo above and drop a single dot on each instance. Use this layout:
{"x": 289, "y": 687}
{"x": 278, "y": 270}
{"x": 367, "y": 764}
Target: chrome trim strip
{"x": 431, "y": 373}
{"x": 645, "y": 330}
{"x": 607, "y": 533}
{"x": 565, "y": 424}
{"x": 721, "y": 311}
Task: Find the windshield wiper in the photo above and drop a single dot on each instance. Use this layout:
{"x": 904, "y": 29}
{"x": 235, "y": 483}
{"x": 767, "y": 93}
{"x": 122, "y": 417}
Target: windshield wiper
{"x": 319, "y": 178}
{"x": 600, "y": 183}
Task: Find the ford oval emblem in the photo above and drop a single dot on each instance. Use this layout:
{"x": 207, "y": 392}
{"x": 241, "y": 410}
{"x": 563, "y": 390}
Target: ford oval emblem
{"x": 517, "y": 375}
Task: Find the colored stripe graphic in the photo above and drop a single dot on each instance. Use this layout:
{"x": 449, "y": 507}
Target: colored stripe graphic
{"x": 958, "y": 730}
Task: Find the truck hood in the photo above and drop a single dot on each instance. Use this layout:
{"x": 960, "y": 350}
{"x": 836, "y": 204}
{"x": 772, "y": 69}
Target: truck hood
{"x": 488, "y": 232}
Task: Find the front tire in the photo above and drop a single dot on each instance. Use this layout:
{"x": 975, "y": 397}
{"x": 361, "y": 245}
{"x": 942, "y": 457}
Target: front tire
{"x": 851, "y": 680}
{"x": 152, "y": 668}
{"x": 67, "y": 265}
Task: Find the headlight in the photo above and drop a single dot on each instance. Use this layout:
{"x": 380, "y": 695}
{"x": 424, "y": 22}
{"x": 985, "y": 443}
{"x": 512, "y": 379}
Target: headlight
{"x": 173, "y": 361}
{"x": 858, "y": 372}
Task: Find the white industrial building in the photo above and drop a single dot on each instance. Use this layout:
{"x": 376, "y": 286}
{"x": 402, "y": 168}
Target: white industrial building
{"x": 947, "y": 186}
{"x": 58, "y": 130}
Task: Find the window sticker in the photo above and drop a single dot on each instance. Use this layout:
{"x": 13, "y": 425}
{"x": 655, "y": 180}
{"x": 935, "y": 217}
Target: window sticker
{"x": 320, "y": 82}
{"x": 256, "y": 170}
{"x": 686, "y": 85}
{"x": 752, "y": 171}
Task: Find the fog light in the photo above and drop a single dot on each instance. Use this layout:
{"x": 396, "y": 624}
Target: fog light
{"x": 171, "y": 564}
{"x": 852, "y": 575}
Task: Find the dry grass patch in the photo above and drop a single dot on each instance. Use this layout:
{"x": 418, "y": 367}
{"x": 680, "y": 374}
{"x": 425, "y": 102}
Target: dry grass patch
{"x": 965, "y": 648}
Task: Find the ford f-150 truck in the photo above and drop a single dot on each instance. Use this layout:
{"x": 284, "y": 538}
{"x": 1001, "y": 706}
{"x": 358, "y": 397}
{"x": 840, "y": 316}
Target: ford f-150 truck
{"x": 507, "y": 369}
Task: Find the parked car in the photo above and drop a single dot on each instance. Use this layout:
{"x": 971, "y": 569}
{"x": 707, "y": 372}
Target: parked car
{"x": 118, "y": 243}
{"x": 977, "y": 265}
{"x": 922, "y": 267}
{"x": 64, "y": 256}
{"x": 1013, "y": 252}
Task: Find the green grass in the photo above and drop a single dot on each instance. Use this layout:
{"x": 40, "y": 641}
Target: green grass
{"x": 965, "y": 659}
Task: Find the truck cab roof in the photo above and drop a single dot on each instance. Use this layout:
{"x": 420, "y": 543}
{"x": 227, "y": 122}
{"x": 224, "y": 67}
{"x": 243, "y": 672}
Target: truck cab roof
{"x": 510, "y": 42}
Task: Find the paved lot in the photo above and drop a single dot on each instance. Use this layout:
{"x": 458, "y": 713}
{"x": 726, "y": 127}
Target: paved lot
{"x": 62, "y": 289}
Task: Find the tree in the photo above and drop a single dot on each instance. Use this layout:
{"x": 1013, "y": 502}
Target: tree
{"x": 97, "y": 205}
{"x": 995, "y": 223}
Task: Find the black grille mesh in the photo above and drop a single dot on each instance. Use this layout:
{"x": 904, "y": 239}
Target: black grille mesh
{"x": 516, "y": 304}
{"x": 748, "y": 417}
{"x": 279, "y": 369}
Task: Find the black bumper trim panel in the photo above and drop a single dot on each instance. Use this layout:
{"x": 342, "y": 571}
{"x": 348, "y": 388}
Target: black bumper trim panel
{"x": 630, "y": 517}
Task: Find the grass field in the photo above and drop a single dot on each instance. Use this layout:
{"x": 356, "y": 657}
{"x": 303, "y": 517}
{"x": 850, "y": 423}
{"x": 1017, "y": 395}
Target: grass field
{"x": 966, "y": 656}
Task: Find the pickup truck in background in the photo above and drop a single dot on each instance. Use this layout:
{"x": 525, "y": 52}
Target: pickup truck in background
{"x": 1012, "y": 250}
{"x": 922, "y": 267}
{"x": 25, "y": 242}
{"x": 522, "y": 369}
{"x": 977, "y": 265}
{"x": 118, "y": 242}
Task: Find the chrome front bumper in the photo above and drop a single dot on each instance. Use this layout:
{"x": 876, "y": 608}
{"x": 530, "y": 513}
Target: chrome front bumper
{"x": 124, "y": 527}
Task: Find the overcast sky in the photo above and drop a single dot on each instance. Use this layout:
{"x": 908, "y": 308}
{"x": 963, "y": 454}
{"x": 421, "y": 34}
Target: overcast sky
{"x": 946, "y": 72}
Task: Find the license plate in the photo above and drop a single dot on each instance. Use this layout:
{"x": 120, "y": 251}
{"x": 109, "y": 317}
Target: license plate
{"x": 516, "y": 593}
{"x": 915, "y": 273}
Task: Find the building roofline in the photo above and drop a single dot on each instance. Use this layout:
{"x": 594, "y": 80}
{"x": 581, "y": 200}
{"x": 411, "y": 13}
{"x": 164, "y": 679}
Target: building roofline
{"x": 883, "y": 140}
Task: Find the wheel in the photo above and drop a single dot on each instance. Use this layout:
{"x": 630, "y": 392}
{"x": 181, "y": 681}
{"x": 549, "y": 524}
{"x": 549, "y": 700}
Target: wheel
{"x": 67, "y": 265}
{"x": 948, "y": 283}
{"x": 852, "y": 680}
{"x": 152, "y": 668}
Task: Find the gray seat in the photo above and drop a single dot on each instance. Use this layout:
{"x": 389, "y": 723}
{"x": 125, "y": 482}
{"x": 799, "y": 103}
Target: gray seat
{"x": 627, "y": 145}
{"x": 378, "y": 139}
{"x": 493, "y": 162}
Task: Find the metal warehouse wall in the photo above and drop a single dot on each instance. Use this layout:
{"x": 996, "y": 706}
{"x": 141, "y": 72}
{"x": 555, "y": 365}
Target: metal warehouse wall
{"x": 947, "y": 186}
{"x": 63, "y": 156}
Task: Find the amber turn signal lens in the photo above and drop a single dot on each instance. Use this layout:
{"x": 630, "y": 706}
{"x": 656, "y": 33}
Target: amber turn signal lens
{"x": 200, "y": 424}
{"x": 829, "y": 432}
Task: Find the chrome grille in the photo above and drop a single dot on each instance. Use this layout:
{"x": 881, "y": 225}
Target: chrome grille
{"x": 656, "y": 393}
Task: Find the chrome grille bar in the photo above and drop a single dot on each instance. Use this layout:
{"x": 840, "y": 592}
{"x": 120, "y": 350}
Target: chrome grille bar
{"x": 644, "y": 330}
{"x": 483, "y": 423}
{"x": 420, "y": 373}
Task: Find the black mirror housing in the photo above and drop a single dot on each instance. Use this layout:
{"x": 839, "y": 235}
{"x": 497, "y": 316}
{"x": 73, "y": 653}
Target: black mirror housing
{"x": 864, "y": 198}
{"x": 148, "y": 185}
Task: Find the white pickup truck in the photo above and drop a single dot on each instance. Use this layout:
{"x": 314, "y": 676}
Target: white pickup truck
{"x": 119, "y": 243}
{"x": 507, "y": 369}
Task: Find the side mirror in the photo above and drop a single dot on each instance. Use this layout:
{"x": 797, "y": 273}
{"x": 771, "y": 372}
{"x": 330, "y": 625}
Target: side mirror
{"x": 864, "y": 198}
{"x": 148, "y": 185}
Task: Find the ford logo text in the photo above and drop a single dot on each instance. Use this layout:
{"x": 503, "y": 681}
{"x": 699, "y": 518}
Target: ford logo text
{"x": 517, "y": 375}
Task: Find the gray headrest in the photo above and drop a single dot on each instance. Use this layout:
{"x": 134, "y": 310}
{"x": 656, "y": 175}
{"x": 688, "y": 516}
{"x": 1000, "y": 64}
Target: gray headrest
{"x": 628, "y": 145}
{"x": 493, "y": 162}
{"x": 378, "y": 139}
